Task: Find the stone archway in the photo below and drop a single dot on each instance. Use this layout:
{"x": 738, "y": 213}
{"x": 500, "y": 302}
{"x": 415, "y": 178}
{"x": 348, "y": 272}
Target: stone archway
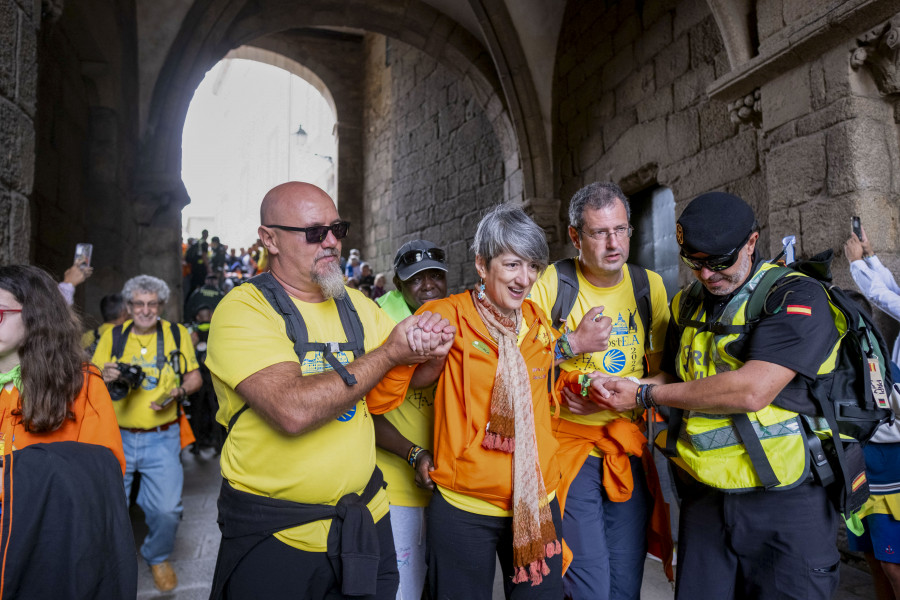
{"x": 211, "y": 29}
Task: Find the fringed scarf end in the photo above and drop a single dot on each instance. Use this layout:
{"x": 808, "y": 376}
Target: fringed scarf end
{"x": 535, "y": 572}
{"x": 495, "y": 441}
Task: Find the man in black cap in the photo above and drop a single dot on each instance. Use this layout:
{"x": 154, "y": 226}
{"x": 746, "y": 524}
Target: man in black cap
{"x": 754, "y": 522}
{"x": 404, "y": 436}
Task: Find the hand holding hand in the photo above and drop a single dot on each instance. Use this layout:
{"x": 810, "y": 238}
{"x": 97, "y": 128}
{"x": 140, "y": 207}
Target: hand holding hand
{"x": 621, "y": 394}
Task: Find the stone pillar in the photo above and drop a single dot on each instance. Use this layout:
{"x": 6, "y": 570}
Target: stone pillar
{"x": 19, "y": 24}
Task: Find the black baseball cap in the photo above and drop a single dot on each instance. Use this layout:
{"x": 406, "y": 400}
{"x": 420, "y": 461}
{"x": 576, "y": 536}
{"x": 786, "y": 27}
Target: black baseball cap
{"x": 715, "y": 223}
{"x": 416, "y": 256}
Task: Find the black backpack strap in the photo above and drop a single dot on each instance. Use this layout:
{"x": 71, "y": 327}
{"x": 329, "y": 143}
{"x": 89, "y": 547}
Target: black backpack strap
{"x": 755, "y": 451}
{"x": 640, "y": 285}
{"x": 566, "y": 292}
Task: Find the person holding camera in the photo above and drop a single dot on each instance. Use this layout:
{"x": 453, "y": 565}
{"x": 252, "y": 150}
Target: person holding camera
{"x": 149, "y": 365}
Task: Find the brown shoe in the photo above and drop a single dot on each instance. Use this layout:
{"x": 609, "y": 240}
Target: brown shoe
{"x": 164, "y": 576}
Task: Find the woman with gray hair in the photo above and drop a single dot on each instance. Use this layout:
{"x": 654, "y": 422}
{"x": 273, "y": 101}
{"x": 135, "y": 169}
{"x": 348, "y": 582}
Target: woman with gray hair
{"x": 495, "y": 471}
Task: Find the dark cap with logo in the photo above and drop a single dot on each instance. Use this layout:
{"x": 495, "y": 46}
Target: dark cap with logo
{"x": 416, "y": 256}
{"x": 714, "y": 223}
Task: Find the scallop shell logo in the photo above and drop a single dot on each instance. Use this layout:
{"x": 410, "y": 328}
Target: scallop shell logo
{"x": 679, "y": 234}
{"x": 614, "y": 361}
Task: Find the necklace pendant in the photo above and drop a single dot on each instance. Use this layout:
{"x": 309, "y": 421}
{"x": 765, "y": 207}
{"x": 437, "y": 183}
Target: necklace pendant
{"x": 143, "y": 351}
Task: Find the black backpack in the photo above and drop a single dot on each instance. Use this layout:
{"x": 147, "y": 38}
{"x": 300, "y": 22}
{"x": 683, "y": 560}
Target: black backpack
{"x": 567, "y": 292}
{"x": 295, "y": 327}
{"x": 120, "y": 336}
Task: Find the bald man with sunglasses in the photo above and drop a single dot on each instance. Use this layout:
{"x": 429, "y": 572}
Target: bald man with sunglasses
{"x": 754, "y": 521}
{"x": 302, "y": 509}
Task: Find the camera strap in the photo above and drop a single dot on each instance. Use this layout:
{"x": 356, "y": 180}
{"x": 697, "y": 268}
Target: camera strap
{"x": 120, "y": 337}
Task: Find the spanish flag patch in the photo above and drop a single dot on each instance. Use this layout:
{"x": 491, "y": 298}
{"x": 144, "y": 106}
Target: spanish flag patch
{"x": 799, "y": 309}
{"x": 857, "y": 483}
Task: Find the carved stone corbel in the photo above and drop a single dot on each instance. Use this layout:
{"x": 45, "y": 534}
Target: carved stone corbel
{"x": 879, "y": 49}
{"x": 746, "y": 110}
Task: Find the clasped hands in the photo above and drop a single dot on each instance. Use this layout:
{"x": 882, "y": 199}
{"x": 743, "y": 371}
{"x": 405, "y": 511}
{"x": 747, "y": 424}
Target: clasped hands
{"x": 606, "y": 392}
{"x": 427, "y": 336}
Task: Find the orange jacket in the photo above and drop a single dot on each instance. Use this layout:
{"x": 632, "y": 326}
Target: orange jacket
{"x": 95, "y": 420}
{"x": 462, "y": 403}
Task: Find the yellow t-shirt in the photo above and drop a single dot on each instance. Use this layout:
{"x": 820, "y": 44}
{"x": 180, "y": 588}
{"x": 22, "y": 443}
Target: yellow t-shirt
{"x": 94, "y": 335}
{"x": 414, "y": 419}
{"x": 625, "y": 354}
{"x": 320, "y": 466}
{"x": 134, "y": 409}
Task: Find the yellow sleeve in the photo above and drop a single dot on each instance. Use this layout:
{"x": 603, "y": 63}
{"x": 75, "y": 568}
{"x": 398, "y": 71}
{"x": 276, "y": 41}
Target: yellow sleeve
{"x": 544, "y": 291}
{"x": 246, "y": 336}
{"x": 187, "y": 349}
{"x": 103, "y": 350}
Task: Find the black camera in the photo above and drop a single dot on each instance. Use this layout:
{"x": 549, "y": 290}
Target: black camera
{"x": 130, "y": 377}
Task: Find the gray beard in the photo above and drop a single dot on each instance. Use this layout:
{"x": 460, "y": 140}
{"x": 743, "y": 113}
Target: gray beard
{"x": 331, "y": 282}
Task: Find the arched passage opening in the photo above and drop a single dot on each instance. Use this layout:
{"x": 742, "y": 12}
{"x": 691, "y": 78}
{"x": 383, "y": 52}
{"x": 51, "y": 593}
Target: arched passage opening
{"x": 256, "y": 120}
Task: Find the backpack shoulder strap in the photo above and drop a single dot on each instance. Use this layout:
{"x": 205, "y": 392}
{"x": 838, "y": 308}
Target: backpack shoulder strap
{"x": 757, "y": 302}
{"x": 295, "y": 327}
{"x": 640, "y": 285}
{"x": 352, "y": 325}
{"x": 566, "y": 293}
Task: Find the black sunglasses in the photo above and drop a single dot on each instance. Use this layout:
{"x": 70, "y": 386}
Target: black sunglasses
{"x": 317, "y": 233}
{"x": 413, "y": 256}
{"x": 715, "y": 263}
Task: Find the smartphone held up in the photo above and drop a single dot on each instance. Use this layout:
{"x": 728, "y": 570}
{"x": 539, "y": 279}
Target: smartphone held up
{"x": 857, "y": 227}
{"x": 83, "y": 255}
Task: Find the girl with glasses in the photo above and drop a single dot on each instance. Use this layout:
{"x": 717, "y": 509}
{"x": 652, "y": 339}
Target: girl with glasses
{"x": 63, "y": 503}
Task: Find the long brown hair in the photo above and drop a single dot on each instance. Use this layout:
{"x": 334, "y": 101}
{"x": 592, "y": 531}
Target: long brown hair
{"x": 51, "y": 355}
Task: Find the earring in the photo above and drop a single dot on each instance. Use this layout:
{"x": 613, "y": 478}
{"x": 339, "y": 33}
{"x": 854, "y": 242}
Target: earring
{"x": 480, "y": 289}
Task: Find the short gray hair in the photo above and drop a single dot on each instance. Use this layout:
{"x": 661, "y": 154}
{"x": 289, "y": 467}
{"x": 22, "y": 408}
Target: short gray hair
{"x": 146, "y": 284}
{"x": 506, "y": 228}
{"x": 596, "y": 196}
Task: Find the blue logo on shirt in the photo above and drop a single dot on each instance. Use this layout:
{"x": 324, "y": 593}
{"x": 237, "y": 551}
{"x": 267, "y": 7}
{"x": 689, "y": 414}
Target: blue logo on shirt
{"x": 613, "y": 361}
{"x": 347, "y": 415}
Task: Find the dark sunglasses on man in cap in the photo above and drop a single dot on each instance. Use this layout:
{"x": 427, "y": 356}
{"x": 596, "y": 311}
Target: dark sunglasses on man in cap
{"x": 413, "y": 256}
{"x": 715, "y": 263}
{"x": 317, "y": 233}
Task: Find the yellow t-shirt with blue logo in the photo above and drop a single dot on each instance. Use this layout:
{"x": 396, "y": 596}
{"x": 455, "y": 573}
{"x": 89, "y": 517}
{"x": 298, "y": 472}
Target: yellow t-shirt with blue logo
{"x": 134, "y": 409}
{"x": 316, "y": 467}
{"x": 625, "y": 355}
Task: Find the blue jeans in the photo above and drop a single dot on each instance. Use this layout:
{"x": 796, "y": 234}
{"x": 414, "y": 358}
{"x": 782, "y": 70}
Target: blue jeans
{"x": 608, "y": 539}
{"x": 156, "y": 455}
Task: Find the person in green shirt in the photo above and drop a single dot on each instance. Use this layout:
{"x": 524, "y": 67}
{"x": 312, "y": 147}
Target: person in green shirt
{"x": 404, "y": 436}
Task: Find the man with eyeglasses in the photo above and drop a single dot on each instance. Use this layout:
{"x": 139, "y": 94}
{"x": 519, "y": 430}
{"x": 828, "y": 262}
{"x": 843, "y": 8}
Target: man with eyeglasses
{"x": 149, "y": 414}
{"x": 754, "y": 522}
{"x": 405, "y": 436}
{"x": 604, "y": 518}
{"x": 293, "y": 353}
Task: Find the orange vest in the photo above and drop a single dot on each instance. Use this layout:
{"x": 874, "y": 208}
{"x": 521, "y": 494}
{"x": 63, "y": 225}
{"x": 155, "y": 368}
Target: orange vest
{"x": 94, "y": 423}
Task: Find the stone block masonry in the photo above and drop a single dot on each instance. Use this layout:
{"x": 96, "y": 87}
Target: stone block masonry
{"x": 18, "y": 34}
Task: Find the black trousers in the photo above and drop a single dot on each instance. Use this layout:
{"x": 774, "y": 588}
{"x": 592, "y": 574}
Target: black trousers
{"x": 756, "y": 545}
{"x": 274, "y": 570}
{"x": 463, "y": 549}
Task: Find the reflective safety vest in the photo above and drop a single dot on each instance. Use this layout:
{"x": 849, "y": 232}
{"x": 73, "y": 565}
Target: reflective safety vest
{"x": 735, "y": 452}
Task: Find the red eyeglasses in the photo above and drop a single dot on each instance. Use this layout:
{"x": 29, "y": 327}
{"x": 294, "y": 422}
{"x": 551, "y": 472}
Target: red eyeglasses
{"x": 3, "y": 312}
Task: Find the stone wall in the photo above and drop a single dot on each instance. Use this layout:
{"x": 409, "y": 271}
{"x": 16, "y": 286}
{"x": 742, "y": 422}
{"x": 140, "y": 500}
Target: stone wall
{"x": 433, "y": 162}
{"x": 85, "y": 153}
{"x": 811, "y": 146}
{"x": 19, "y": 23}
